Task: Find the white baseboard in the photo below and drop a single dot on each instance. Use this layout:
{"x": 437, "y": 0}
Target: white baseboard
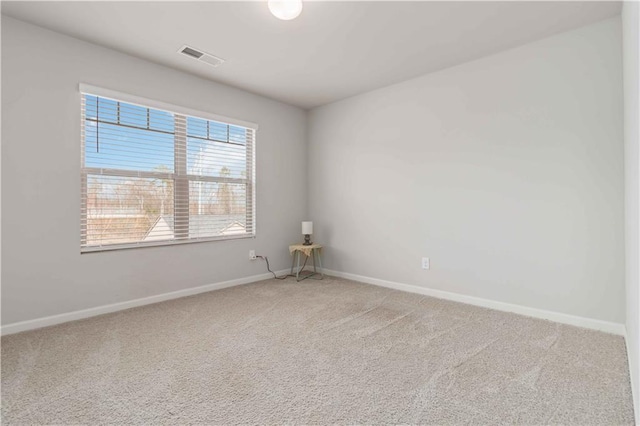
{"x": 594, "y": 324}
{"x": 633, "y": 369}
{"x": 105, "y": 309}
{"x": 608, "y": 327}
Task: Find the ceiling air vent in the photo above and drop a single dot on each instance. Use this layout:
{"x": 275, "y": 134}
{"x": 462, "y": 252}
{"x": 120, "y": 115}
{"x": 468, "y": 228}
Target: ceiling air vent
{"x": 201, "y": 56}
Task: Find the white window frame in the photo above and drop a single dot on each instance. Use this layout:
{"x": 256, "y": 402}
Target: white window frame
{"x": 179, "y": 176}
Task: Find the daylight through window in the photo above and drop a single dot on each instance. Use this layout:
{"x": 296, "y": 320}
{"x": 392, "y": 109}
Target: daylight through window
{"x": 152, "y": 176}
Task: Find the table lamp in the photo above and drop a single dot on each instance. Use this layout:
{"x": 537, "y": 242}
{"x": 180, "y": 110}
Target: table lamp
{"x": 307, "y": 230}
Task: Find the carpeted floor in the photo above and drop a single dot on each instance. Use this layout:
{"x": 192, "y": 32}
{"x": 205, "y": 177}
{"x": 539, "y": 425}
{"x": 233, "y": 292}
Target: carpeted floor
{"x": 314, "y": 352}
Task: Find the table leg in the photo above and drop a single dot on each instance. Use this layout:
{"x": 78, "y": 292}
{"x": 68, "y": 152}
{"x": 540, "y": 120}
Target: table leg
{"x": 320, "y": 263}
{"x": 297, "y": 266}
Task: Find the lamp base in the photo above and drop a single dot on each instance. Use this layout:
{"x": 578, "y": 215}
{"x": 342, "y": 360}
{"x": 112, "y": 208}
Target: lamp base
{"x": 307, "y": 240}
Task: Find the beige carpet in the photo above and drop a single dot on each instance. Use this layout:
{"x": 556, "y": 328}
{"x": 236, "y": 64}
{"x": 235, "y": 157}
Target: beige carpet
{"x": 315, "y": 352}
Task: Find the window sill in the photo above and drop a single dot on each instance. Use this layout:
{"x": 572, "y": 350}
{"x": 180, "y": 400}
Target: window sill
{"x": 129, "y": 246}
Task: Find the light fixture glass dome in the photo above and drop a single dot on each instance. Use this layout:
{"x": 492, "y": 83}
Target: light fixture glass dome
{"x": 285, "y": 9}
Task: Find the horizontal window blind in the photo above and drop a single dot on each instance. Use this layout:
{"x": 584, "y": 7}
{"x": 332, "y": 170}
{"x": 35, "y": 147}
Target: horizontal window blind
{"x": 152, "y": 176}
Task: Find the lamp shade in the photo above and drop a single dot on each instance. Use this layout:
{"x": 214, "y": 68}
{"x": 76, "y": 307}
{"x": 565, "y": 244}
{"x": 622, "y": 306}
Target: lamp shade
{"x": 307, "y": 228}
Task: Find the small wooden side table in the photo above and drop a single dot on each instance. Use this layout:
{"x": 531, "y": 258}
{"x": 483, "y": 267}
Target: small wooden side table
{"x": 313, "y": 250}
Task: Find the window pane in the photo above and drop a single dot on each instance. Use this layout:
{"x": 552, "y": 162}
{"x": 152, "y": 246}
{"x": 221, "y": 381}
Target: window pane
{"x": 117, "y": 147}
{"x": 217, "y": 159}
{"x": 161, "y": 120}
{"x": 133, "y": 115}
{"x": 107, "y": 110}
{"x": 197, "y": 127}
{"x": 126, "y": 210}
{"x": 237, "y": 135}
{"x": 217, "y": 209}
{"x": 91, "y": 106}
{"x": 215, "y": 131}
{"x": 218, "y": 131}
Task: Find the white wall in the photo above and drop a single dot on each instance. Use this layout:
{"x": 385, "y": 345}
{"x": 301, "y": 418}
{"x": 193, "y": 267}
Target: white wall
{"x": 0, "y": 168}
{"x": 507, "y": 172}
{"x": 43, "y": 271}
{"x": 631, "y": 47}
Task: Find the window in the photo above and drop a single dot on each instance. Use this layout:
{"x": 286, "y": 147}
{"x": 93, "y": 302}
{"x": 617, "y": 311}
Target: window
{"x": 158, "y": 174}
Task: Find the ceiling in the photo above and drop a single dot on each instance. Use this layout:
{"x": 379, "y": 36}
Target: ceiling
{"x": 333, "y": 50}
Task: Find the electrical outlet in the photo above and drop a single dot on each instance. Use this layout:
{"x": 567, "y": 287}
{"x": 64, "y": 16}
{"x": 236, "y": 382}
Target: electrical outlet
{"x": 252, "y": 255}
{"x": 425, "y": 263}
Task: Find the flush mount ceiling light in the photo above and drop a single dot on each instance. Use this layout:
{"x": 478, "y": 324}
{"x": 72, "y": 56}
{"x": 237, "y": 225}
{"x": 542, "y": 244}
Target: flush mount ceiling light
{"x": 285, "y": 9}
